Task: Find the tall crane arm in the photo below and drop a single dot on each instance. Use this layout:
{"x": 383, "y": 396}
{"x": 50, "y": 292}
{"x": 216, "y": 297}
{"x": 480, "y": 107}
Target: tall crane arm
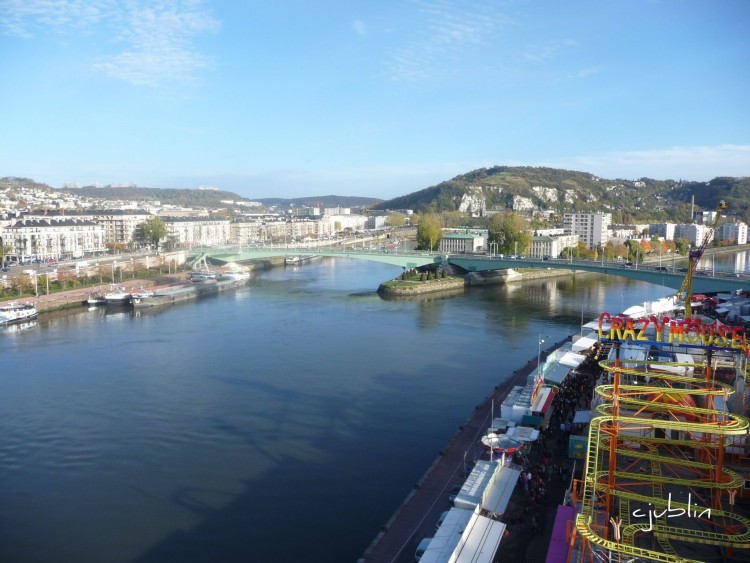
{"x": 694, "y": 257}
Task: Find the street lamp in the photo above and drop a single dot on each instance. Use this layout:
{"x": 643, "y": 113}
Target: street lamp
{"x": 539, "y": 356}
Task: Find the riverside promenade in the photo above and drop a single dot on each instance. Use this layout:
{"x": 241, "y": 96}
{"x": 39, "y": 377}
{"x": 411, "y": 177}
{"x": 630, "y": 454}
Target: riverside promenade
{"x": 417, "y": 516}
{"x": 75, "y": 297}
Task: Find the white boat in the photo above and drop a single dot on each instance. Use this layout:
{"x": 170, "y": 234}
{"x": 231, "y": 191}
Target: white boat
{"x": 202, "y": 278}
{"x": 291, "y": 260}
{"x": 142, "y": 294}
{"x": 96, "y": 298}
{"x": 117, "y": 296}
{"x": 16, "y": 313}
{"x": 235, "y": 275}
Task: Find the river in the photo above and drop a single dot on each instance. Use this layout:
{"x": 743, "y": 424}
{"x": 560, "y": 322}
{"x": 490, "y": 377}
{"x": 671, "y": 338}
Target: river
{"x": 285, "y": 421}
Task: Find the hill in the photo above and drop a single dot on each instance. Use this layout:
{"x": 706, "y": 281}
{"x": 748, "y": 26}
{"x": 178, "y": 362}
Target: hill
{"x": 554, "y": 192}
{"x": 183, "y": 197}
{"x": 321, "y": 201}
{"x": 212, "y": 198}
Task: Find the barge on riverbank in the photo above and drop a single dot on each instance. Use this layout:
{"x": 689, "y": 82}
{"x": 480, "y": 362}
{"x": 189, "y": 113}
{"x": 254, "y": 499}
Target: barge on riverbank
{"x": 169, "y": 296}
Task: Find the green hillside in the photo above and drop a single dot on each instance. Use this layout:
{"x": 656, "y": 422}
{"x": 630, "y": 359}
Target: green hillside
{"x": 541, "y": 189}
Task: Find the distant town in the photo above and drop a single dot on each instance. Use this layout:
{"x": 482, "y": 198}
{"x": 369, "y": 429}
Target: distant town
{"x": 43, "y": 226}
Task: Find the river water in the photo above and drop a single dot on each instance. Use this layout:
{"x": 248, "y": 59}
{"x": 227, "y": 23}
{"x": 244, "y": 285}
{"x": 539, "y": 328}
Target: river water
{"x": 283, "y": 422}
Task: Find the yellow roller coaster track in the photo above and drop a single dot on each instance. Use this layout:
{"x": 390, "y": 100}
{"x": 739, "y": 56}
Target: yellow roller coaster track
{"x": 651, "y": 435}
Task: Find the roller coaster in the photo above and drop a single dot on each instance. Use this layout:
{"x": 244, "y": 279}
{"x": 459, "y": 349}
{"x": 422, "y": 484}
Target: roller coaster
{"x": 658, "y": 484}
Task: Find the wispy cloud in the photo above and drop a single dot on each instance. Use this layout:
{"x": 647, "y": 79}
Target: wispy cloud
{"x": 359, "y": 28}
{"x": 447, "y": 27}
{"x": 24, "y": 18}
{"x": 158, "y": 38}
{"x": 699, "y": 163}
{"x": 155, "y": 37}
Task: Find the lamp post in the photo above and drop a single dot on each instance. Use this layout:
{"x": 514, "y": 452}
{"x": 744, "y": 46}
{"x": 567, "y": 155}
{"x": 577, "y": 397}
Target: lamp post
{"x": 539, "y": 356}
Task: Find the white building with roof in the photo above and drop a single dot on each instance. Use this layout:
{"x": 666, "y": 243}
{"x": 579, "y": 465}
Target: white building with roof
{"x": 462, "y": 243}
{"x": 53, "y": 238}
{"x": 736, "y": 231}
{"x": 591, "y": 228}
{"x": 553, "y": 246}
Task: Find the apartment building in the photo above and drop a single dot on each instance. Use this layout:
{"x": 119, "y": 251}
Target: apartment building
{"x": 43, "y": 239}
{"x": 665, "y": 231}
{"x": 736, "y": 231}
{"x": 694, "y": 233}
{"x": 591, "y": 228}
{"x": 187, "y": 232}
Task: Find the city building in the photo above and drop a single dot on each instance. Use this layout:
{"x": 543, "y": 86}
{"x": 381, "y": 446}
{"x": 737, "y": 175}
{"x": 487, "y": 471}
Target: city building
{"x": 46, "y": 239}
{"x": 736, "y": 232}
{"x": 553, "y": 246}
{"x": 665, "y": 231}
{"x": 187, "y": 232}
{"x": 694, "y": 233}
{"x": 591, "y": 228}
{"x": 462, "y": 243}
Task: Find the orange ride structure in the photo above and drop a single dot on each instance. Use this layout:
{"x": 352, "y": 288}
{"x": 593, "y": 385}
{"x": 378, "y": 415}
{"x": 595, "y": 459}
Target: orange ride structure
{"x": 665, "y": 463}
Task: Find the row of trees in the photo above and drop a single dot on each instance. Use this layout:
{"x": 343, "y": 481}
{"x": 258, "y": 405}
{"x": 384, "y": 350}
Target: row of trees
{"x": 65, "y": 279}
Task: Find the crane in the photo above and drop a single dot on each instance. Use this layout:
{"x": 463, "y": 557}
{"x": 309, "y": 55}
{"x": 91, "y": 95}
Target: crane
{"x": 693, "y": 257}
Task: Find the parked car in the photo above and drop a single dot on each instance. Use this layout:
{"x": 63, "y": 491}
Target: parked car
{"x": 454, "y": 493}
{"x": 421, "y": 548}
{"x": 441, "y": 519}
{"x": 661, "y": 269}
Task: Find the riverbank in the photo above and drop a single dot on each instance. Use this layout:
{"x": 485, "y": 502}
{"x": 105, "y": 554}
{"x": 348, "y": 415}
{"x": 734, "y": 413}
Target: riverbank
{"x": 420, "y": 510}
{"x": 409, "y": 288}
{"x": 76, "y": 297}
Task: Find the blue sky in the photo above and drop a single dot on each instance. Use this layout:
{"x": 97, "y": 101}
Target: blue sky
{"x": 281, "y": 98}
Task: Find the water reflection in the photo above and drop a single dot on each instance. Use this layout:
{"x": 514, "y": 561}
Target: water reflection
{"x": 210, "y": 429}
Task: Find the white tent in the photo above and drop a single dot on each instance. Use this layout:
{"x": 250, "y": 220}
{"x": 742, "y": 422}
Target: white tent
{"x": 480, "y": 541}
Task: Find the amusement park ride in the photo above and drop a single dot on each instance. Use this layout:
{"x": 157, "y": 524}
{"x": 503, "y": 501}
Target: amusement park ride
{"x": 667, "y": 450}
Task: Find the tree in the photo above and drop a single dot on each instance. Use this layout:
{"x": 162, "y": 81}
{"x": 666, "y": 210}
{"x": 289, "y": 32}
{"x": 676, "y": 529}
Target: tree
{"x": 116, "y": 247}
{"x": 4, "y": 250}
{"x": 637, "y": 249}
{"x": 683, "y": 246}
{"x": 429, "y": 231}
{"x": 510, "y": 231}
{"x": 153, "y": 230}
{"x": 395, "y": 219}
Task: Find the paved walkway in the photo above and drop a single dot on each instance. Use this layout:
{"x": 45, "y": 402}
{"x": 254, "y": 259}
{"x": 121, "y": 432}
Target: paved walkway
{"x": 75, "y": 297}
{"x": 417, "y": 516}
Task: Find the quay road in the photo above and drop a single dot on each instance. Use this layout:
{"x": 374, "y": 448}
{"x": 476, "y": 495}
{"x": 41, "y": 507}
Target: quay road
{"x": 418, "y": 514}
{"x": 704, "y": 281}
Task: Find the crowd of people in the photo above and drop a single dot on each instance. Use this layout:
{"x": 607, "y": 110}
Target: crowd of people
{"x": 546, "y": 466}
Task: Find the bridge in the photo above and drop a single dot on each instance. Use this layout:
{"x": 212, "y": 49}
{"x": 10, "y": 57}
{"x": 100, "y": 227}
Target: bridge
{"x": 668, "y": 276}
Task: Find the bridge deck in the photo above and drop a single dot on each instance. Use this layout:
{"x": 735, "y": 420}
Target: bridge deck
{"x": 667, "y": 276}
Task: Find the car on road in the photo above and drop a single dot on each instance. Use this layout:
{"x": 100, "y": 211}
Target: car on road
{"x": 454, "y": 493}
{"x": 421, "y": 548}
{"x": 661, "y": 269}
{"x": 441, "y": 520}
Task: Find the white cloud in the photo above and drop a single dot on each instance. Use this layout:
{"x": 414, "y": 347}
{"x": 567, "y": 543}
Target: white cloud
{"x": 25, "y": 17}
{"x": 445, "y": 30}
{"x": 156, "y": 37}
{"x": 700, "y": 163}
